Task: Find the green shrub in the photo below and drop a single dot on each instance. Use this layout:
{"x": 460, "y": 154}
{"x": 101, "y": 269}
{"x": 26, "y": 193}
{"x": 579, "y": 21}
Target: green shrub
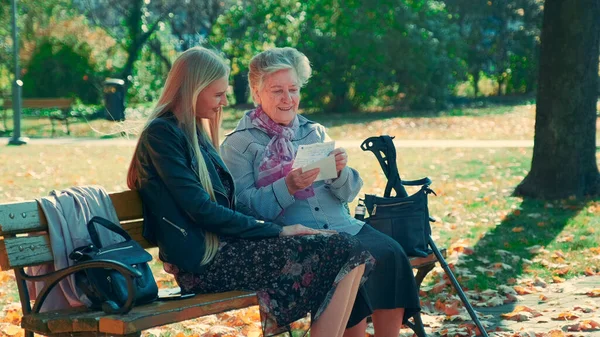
{"x": 57, "y": 69}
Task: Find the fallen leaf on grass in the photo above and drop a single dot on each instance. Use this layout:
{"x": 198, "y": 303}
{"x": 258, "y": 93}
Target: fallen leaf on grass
{"x": 589, "y": 271}
{"x": 557, "y": 279}
{"x": 439, "y": 287}
{"x": 455, "y": 332}
{"x": 501, "y": 266}
{"x": 221, "y": 331}
{"x": 566, "y": 238}
{"x": 449, "y": 309}
{"x": 565, "y": 316}
{"x": 543, "y": 298}
{"x": 539, "y": 282}
{"x": 518, "y": 229}
{"x": 517, "y": 316}
{"x": 461, "y": 247}
{"x": 556, "y": 333}
{"x": 524, "y": 308}
{"x": 494, "y": 301}
{"x": 6, "y": 276}
{"x": 522, "y": 290}
{"x": 583, "y": 309}
{"x": 507, "y": 289}
{"x": 12, "y": 314}
{"x": 521, "y": 313}
{"x": 535, "y": 249}
{"x": 510, "y": 298}
{"x": 11, "y": 330}
{"x": 586, "y": 325}
{"x": 562, "y": 271}
{"x": 593, "y": 293}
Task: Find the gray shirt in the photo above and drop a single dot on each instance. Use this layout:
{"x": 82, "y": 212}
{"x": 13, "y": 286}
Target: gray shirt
{"x": 242, "y": 151}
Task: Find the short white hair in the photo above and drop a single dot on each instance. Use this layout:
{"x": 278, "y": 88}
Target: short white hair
{"x": 275, "y": 59}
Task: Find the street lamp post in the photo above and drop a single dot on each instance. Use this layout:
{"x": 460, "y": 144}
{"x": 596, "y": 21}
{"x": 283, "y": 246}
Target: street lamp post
{"x": 17, "y": 83}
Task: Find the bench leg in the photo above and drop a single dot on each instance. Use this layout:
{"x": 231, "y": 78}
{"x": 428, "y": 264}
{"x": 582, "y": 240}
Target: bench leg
{"x": 417, "y": 327}
{"x": 422, "y": 272}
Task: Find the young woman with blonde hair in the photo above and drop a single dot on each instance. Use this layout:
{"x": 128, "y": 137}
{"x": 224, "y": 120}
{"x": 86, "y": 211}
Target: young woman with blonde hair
{"x": 188, "y": 199}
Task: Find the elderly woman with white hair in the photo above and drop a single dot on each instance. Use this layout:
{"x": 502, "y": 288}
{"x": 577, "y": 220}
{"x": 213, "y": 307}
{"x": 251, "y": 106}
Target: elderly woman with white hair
{"x": 260, "y": 154}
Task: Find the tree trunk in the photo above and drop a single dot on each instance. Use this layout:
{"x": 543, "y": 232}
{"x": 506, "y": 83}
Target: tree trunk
{"x": 134, "y": 26}
{"x": 564, "y": 154}
{"x": 476, "y": 82}
{"x": 240, "y": 88}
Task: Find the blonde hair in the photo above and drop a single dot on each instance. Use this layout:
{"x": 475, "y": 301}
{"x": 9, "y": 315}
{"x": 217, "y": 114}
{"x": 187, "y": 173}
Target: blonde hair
{"x": 275, "y": 59}
{"x": 194, "y": 70}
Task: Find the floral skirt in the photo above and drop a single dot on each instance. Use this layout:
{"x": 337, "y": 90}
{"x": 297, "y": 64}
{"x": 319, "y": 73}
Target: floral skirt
{"x": 292, "y": 275}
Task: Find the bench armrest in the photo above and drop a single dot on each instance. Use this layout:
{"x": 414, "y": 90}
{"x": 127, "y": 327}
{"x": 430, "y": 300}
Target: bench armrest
{"x": 55, "y": 277}
{"x": 418, "y": 182}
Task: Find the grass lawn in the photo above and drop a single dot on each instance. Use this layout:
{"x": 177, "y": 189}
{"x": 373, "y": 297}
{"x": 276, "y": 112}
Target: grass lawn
{"x": 490, "y": 123}
{"x": 474, "y": 203}
{"x": 493, "y": 238}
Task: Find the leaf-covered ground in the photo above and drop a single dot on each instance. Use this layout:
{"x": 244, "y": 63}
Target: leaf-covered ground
{"x": 503, "y": 249}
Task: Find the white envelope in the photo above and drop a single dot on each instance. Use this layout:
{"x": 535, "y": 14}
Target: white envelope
{"x": 327, "y": 166}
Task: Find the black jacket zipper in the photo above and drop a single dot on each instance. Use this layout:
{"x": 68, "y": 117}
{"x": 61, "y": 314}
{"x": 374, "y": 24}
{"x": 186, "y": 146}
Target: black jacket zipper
{"x": 183, "y": 231}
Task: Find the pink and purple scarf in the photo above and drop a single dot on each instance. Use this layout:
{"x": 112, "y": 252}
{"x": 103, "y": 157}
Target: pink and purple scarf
{"x": 279, "y": 154}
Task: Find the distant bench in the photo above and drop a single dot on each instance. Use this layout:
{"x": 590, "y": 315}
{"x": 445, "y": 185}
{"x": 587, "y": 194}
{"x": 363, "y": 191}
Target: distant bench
{"x": 64, "y": 105}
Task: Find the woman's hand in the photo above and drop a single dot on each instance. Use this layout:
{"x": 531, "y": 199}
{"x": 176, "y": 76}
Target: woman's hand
{"x": 303, "y": 230}
{"x": 297, "y": 180}
{"x": 341, "y": 159}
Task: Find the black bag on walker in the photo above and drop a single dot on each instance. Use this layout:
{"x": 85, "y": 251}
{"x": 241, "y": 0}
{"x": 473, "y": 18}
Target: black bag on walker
{"x": 404, "y": 218}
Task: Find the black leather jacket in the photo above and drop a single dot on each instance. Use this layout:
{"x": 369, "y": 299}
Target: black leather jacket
{"x": 177, "y": 209}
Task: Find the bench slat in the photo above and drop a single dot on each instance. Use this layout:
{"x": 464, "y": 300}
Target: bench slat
{"x": 19, "y": 252}
{"x": 20, "y": 217}
{"x": 16, "y": 252}
{"x": 27, "y": 216}
{"x": 418, "y": 262}
{"x": 128, "y": 205}
{"x": 139, "y": 318}
{"x": 41, "y": 103}
{"x": 134, "y": 229}
{"x": 25, "y": 251}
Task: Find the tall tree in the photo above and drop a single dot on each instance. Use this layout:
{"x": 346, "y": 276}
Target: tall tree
{"x": 564, "y": 153}
{"x": 133, "y": 23}
{"x": 501, "y": 40}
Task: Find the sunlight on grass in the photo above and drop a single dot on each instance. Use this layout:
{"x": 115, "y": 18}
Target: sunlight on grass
{"x": 474, "y": 203}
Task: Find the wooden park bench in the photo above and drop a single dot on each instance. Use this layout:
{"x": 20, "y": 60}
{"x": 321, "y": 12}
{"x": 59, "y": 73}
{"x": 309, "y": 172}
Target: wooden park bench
{"x": 24, "y": 242}
{"x": 18, "y": 251}
{"x": 63, "y": 105}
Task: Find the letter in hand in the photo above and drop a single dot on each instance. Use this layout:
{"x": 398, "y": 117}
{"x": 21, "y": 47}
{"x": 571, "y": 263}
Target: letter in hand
{"x": 297, "y": 180}
{"x": 341, "y": 159}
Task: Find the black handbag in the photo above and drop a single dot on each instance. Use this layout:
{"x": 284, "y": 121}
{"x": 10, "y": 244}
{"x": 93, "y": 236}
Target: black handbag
{"x": 404, "y": 218}
{"x": 106, "y": 287}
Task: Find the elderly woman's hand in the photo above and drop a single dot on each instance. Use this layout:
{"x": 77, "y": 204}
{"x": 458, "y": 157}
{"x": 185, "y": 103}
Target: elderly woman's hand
{"x": 297, "y": 180}
{"x": 303, "y": 230}
{"x": 341, "y": 159}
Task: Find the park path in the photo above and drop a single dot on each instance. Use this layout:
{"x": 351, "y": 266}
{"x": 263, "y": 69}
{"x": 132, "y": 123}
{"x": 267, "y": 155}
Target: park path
{"x": 345, "y": 143}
